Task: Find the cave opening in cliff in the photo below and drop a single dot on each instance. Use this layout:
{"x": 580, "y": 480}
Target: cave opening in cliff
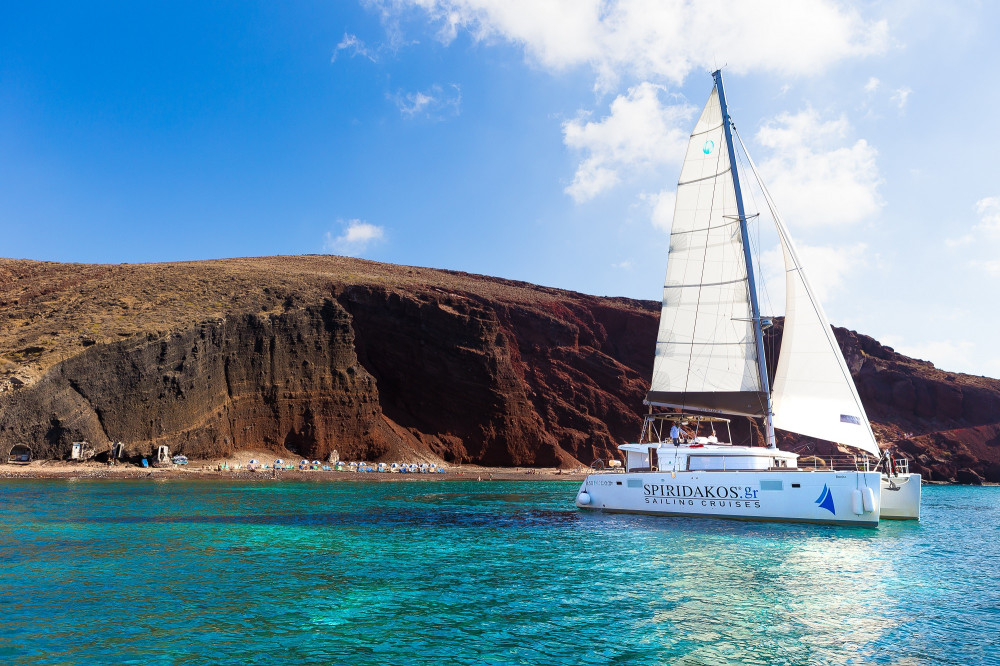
{"x": 20, "y": 454}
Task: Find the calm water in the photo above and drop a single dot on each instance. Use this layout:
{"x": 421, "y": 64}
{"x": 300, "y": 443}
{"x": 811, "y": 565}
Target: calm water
{"x": 467, "y": 572}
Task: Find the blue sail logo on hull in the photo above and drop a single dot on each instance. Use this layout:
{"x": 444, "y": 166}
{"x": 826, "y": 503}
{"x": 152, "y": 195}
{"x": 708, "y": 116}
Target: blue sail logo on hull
{"x": 825, "y": 500}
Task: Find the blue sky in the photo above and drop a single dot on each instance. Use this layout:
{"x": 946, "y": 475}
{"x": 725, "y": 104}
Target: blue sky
{"x": 538, "y": 141}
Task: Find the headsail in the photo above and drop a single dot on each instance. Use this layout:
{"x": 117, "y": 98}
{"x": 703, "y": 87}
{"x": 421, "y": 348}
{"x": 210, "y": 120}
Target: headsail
{"x": 706, "y": 353}
{"x": 813, "y": 393}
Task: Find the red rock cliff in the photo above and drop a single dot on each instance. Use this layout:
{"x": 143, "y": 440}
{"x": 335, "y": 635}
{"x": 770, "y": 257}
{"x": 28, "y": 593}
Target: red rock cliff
{"x": 309, "y": 354}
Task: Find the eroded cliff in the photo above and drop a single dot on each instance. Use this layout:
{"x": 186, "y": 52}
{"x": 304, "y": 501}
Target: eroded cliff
{"x": 304, "y": 355}
{"x": 311, "y": 354}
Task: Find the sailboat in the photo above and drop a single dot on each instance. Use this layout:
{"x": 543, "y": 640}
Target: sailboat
{"x": 710, "y": 368}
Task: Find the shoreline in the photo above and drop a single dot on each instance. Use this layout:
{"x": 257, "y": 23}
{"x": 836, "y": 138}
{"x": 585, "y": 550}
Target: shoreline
{"x": 209, "y": 470}
{"x": 204, "y": 470}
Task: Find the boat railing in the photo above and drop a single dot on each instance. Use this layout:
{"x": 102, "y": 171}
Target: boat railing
{"x": 855, "y": 463}
{"x": 901, "y": 466}
{"x": 838, "y": 462}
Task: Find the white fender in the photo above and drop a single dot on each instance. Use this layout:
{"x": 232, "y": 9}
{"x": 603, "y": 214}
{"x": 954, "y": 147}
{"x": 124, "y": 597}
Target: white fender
{"x": 583, "y": 498}
{"x": 869, "y": 499}
{"x": 857, "y": 502}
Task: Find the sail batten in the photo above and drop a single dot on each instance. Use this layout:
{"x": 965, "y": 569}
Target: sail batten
{"x": 714, "y": 175}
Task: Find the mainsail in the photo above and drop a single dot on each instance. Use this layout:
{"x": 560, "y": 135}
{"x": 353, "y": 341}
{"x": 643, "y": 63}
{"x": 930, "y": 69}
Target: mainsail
{"x": 706, "y": 354}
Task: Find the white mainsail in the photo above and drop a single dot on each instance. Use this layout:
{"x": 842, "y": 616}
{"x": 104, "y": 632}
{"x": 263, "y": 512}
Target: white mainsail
{"x": 706, "y": 355}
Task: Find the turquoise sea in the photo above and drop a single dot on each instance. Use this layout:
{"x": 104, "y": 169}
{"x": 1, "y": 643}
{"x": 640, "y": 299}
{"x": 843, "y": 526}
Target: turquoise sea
{"x": 204, "y": 572}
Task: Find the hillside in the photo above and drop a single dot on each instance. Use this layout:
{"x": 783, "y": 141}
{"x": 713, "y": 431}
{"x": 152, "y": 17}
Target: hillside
{"x": 305, "y": 355}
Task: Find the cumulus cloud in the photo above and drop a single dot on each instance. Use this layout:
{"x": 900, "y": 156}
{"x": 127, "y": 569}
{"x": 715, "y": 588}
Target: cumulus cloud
{"x": 827, "y": 268}
{"x": 872, "y": 85}
{"x": 662, "y": 208}
{"x": 357, "y": 236}
{"x": 640, "y": 132}
{"x": 663, "y": 40}
{"x": 900, "y": 96}
{"x": 946, "y": 353}
{"x": 355, "y": 47}
{"x": 988, "y": 210}
{"x": 989, "y": 266}
{"x": 986, "y": 229}
{"x": 814, "y": 179}
{"x": 436, "y": 103}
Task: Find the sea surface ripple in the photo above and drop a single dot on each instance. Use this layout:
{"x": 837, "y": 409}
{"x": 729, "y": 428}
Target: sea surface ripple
{"x": 191, "y": 572}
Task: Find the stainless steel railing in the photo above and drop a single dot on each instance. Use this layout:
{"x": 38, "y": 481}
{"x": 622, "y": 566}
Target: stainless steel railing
{"x": 855, "y": 463}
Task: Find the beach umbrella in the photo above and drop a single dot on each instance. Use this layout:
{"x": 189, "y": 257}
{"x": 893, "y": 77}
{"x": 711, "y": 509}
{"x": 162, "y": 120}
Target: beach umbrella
{"x": 303, "y": 462}
{"x": 254, "y": 462}
{"x": 279, "y": 461}
{"x": 315, "y": 462}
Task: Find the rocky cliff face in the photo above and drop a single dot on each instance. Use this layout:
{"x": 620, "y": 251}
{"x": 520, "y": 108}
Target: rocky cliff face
{"x": 288, "y": 380}
{"x": 304, "y": 355}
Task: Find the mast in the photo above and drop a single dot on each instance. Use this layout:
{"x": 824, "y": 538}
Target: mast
{"x": 755, "y": 310}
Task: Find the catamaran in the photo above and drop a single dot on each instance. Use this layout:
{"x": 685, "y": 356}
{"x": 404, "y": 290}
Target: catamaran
{"x": 710, "y": 367}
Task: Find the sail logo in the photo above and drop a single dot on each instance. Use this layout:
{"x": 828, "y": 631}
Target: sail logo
{"x": 708, "y": 147}
{"x": 825, "y": 500}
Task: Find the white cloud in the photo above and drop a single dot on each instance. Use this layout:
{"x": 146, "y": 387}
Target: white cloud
{"x": 966, "y": 239}
{"x": 623, "y": 265}
{"x": 987, "y": 233}
{"x": 986, "y": 230}
{"x": 816, "y": 181}
{"x": 944, "y": 354}
{"x": 662, "y": 213}
{"x": 829, "y": 267}
{"x": 901, "y": 96}
{"x": 663, "y": 40}
{"x": 990, "y": 266}
{"x": 355, "y": 46}
{"x": 436, "y": 102}
{"x": 872, "y": 85}
{"x": 356, "y": 237}
{"x": 826, "y": 267}
{"x": 989, "y": 214}
{"x": 640, "y": 133}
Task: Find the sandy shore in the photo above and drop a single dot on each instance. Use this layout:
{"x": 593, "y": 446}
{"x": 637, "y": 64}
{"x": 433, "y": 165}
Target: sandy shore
{"x": 51, "y": 469}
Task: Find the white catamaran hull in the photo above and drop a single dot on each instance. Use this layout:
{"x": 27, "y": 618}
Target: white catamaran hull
{"x": 901, "y": 497}
{"x": 851, "y": 498}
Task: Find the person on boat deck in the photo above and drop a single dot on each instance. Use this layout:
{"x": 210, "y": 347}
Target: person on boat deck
{"x": 675, "y": 434}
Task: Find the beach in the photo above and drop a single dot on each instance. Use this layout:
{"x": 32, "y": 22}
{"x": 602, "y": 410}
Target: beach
{"x": 238, "y": 469}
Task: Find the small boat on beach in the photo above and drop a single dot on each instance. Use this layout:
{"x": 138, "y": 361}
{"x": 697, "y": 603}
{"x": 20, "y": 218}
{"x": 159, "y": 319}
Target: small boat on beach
{"x": 710, "y": 367}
